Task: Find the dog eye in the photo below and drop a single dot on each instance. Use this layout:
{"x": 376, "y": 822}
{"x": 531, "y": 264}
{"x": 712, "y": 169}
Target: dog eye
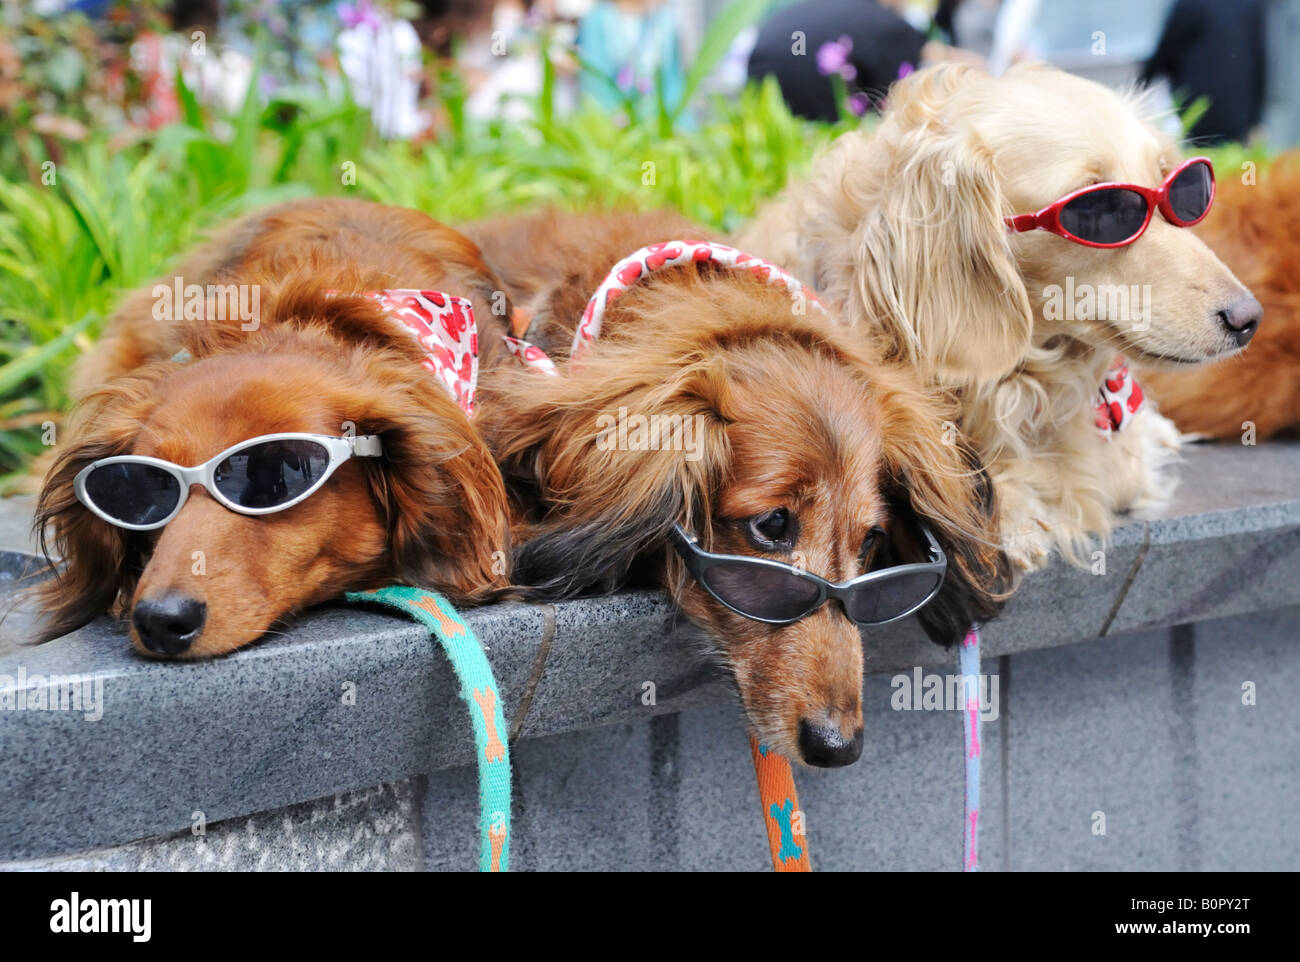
{"x": 771, "y": 528}
{"x": 874, "y": 546}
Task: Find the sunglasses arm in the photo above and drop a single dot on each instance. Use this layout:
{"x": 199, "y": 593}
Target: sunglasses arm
{"x": 1023, "y": 222}
{"x": 366, "y": 446}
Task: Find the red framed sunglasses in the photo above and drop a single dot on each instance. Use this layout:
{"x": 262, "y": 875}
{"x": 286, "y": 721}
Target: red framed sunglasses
{"x": 1115, "y": 215}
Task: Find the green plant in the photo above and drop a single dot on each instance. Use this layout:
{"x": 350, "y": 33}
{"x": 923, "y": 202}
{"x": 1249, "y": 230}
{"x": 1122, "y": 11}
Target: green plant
{"x": 109, "y": 217}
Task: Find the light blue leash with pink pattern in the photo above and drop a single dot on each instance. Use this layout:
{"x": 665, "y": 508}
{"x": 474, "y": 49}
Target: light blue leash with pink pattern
{"x": 970, "y": 671}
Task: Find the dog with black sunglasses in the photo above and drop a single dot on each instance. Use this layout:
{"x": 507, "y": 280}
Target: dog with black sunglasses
{"x": 220, "y": 474}
{"x": 818, "y": 491}
{"x": 1013, "y": 239}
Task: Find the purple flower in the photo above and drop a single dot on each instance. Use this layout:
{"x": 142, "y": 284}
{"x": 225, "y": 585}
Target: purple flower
{"x": 905, "y": 69}
{"x": 358, "y": 14}
{"x": 859, "y": 104}
{"x": 833, "y": 57}
{"x": 624, "y": 78}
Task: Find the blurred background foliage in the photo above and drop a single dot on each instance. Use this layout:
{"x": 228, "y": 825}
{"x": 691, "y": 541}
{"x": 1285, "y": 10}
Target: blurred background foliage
{"x": 97, "y": 196}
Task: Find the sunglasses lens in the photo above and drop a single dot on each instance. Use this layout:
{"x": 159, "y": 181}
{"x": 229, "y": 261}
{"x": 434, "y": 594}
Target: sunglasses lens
{"x": 1105, "y": 216}
{"x": 1190, "y": 193}
{"x": 271, "y": 473}
{"x": 760, "y": 592}
{"x": 133, "y": 493}
{"x": 886, "y": 599}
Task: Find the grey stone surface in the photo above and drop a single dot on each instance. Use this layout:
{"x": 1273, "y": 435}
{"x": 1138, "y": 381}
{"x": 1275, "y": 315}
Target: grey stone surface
{"x": 1246, "y": 758}
{"x": 677, "y": 792}
{"x": 1147, "y": 728}
{"x": 1092, "y": 731}
{"x": 263, "y": 728}
{"x": 16, "y": 523}
{"x": 267, "y": 726}
{"x": 375, "y": 829}
{"x": 607, "y": 651}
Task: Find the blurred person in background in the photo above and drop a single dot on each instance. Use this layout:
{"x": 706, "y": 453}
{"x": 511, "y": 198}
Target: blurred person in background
{"x": 630, "y": 51}
{"x": 868, "y": 43}
{"x": 380, "y": 55}
{"x": 502, "y": 61}
{"x": 1214, "y": 49}
{"x": 996, "y": 32}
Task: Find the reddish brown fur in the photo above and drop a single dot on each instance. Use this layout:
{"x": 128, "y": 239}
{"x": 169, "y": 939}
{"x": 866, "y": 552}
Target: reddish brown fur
{"x": 796, "y": 416}
{"x": 1252, "y": 229}
{"x": 430, "y": 512}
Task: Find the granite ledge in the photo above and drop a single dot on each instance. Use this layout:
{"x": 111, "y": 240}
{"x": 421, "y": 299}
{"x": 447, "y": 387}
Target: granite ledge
{"x": 269, "y": 726}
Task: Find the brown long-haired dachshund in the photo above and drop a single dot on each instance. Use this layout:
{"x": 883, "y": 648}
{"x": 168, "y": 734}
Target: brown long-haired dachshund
{"x": 261, "y": 332}
{"x": 1252, "y": 228}
{"x": 778, "y": 439}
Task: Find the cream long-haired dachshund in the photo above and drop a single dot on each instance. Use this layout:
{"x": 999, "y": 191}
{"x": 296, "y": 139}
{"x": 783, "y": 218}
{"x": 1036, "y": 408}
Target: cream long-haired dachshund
{"x": 909, "y": 231}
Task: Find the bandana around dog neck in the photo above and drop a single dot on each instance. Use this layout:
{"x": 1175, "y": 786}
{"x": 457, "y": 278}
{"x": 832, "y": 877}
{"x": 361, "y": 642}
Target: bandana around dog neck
{"x": 639, "y": 266}
{"x": 1118, "y": 400}
{"x": 444, "y": 326}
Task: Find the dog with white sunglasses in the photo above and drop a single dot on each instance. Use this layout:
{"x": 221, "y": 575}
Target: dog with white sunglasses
{"x": 219, "y": 476}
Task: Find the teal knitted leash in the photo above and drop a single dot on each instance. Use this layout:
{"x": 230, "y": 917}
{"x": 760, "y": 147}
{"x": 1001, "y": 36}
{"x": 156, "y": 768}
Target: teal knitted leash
{"x": 478, "y": 688}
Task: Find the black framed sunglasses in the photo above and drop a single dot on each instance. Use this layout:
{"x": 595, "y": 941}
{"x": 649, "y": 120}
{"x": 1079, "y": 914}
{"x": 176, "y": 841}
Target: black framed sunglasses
{"x": 259, "y": 476}
{"x": 779, "y": 594}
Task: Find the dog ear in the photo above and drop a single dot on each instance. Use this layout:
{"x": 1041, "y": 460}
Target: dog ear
{"x": 95, "y": 563}
{"x": 932, "y": 254}
{"x": 605, "y": 500}
{"x": 932, "y": 476}
{"x": 974, "y": 585}
{"x": 441, "y": 493}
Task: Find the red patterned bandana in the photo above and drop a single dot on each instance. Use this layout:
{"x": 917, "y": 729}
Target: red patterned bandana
{"x": 444, "y": 326}
{"x": 1119, "y": 399}
{"x": 636, "y": 267}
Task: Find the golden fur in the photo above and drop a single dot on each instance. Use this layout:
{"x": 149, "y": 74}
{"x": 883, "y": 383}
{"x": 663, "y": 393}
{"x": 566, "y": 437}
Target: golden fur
{"x": 794, "y": 416}
{"x": 903, "y": 231}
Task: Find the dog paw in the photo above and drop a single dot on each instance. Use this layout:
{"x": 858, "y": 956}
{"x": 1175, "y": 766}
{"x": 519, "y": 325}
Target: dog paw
{"x": 1159, "y": 444}
{"x": 1029, "y": 548}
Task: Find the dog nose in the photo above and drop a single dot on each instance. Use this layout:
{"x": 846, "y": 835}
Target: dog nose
{"x": 170, "y": 624}
{"x": 825, "y": 745}
{"x": 1241, "y": 319}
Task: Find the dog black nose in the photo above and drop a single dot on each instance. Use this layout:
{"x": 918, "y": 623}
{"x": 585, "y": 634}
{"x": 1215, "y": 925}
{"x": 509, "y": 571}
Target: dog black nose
{"x": 170, "y": 624}
{"x": 1241, "y": 319}
{"x": 826, "y": 747}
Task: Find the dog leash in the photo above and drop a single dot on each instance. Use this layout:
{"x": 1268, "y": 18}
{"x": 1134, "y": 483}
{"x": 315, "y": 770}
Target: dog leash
{"x": 970, "y": 670}
{"x": 478, "y": 689}
{"x": 779, "y": 803}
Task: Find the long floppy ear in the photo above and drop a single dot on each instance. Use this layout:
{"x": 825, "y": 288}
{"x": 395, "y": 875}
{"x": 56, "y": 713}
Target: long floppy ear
{"x": 932, "y": 476}
{"x": 932, "y": 256}
{"x": 96, "y": 564}
{"x": 605, "y": 500}
{"x": 440, "y": 490}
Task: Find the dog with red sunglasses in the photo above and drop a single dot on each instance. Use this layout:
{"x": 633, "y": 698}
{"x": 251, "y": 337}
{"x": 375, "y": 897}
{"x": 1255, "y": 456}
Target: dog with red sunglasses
{"x": 1016, "y": 240}
{"x": 688, "y": 416}
{"x": 221, "y": 472}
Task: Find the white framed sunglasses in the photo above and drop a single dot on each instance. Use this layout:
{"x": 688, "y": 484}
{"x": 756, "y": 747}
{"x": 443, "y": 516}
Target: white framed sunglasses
{"x": 262, "y": 475}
